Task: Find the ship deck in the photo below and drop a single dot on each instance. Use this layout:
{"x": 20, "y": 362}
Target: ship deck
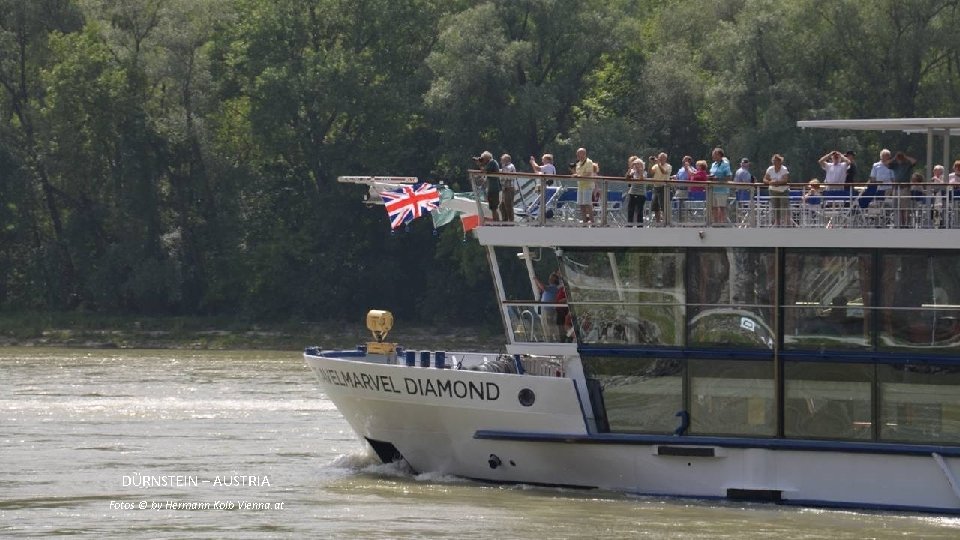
{"x": 924, "y": 216}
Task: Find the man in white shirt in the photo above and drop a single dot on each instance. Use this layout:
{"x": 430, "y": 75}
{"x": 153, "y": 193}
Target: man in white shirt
{"x": 546, "y": 168}
{"x": 777, "y": 179}
{"x": 836, "y": 165}
{"x": 880, "y": 173}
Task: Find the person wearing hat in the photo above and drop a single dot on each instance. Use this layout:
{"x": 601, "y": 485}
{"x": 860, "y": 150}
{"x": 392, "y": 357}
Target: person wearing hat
{"x": 851, "y": 167}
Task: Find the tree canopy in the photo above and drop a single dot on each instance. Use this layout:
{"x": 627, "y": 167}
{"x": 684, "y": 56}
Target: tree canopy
{"x": 180, "y": 156}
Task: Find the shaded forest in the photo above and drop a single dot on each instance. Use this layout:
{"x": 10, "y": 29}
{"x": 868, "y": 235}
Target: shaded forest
{"x": 179, "y": 157}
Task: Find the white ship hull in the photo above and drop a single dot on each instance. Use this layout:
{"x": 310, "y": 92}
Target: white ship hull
{"x": 472, "y": 424}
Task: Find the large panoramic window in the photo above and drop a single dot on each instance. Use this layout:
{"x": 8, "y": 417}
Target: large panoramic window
{"x": 640, "y": 395}
{"x": 731, "y": 397}
{"x": 828, "y": 400}
{"x": 920, "y": 299}
{"x": 515, "y": 266}
{"x": 919, "y": 403}
{"x": 826, "y": 299}
{"x": 730, "y": 296}
{"x": 627, "y": 296}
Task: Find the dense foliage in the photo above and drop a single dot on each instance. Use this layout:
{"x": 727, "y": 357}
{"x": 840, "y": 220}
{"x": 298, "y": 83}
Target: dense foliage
{"x": 179, "y": 157}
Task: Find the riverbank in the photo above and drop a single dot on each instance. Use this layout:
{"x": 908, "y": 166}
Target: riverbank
{"x": 217, "y": 334}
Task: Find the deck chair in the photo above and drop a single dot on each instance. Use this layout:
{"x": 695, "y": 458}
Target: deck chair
{"x": 835, "y": 207}
{"x": 874, "y": 208}
{"x": 921, "y": 209}
{"x": 566, "y": 206}
{"x": 614, "y": 208}
{"x": 528, "y": 209}
{"x": 810, "y": 214}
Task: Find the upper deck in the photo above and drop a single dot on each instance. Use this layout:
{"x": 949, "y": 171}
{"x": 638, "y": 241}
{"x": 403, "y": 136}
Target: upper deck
{"x": 712, "y": 214}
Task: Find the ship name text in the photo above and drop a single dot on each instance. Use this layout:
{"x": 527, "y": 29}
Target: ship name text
{"x": 414, "y": 386}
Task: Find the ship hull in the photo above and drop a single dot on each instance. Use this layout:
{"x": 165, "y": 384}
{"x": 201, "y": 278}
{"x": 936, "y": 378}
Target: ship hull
{"x": 482, "y": 426}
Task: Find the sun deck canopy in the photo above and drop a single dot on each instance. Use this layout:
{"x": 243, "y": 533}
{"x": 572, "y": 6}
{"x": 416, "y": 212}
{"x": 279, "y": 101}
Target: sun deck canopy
{"x": 944, "y": 127}
{"x": 907, "y": 125}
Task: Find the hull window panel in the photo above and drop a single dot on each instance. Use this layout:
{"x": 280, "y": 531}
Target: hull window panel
{"x": 919, "y": 403}
{"x": 827, "y": 400}
{"x": 640, "y": 395}
{"x": 732, "y": 397}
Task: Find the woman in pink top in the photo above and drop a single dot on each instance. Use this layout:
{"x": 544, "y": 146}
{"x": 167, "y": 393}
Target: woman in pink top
{"x": 699, "y": 176}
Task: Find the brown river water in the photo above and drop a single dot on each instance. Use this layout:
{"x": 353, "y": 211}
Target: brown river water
{"x": 242, "y": 444}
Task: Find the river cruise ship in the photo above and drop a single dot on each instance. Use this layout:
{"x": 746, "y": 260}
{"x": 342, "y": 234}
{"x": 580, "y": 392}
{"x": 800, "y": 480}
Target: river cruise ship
{"x": 807, "y": 358}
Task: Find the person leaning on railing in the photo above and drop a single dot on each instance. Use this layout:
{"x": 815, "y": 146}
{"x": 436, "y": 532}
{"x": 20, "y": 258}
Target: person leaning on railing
{"x": 720, "y": 172}
{"x": 585, "y": 168}
{"x": 636, "y": 195}
{"x": 490, "y": 165}
{"x": 660, "y": 171}
{"x": 777, "y": 179}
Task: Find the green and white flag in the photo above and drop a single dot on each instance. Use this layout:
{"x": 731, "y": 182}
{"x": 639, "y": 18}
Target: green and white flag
{"x": 443, "y": 215}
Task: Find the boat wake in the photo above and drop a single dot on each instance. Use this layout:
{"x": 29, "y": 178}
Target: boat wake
{"x": 365, "y": 461}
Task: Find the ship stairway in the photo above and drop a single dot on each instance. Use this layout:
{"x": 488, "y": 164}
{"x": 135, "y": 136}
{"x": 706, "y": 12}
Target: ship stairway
{"x": 834, "y": 280}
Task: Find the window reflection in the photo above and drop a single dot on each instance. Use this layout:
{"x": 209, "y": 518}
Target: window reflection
{"x": 640, "y": 324}
{"x": 835, "y": 327}
{"x": 532, "y": 323}
{"x": 730, "y": 296}
{"x": 824, "y": 400}
{"x": 825, "y": 299}
{"x": 731, "y": 397}
{"x": 920, "y": 403}
{"x": 629, "y": 276}
{"x": 512, "y": 264}
{"x": 923, "y": 292}
{"x": 627, "y": 296}
{"x": 640, "y": 395}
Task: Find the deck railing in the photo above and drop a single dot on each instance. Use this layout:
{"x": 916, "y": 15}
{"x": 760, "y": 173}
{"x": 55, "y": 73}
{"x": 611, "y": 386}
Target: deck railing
{"x": 549, "y": 200}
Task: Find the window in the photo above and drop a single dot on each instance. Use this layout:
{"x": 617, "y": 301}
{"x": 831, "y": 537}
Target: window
{"x": 732, "y": 397}
{"x": 627, "y": 296}
{"x": 920, "y": 296}
{"x": 828, "y": 400}
{"x": 920, "y": 403}
{"x": 640, "y": 395}
{"x": 730, "y": 298}
{"x": 826, "y": 300}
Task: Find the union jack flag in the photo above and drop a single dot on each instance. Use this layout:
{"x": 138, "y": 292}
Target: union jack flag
{"x": 407, "y": 203}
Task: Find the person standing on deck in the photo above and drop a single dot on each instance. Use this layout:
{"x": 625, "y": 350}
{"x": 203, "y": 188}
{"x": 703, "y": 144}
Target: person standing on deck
{"x": 743, "y": 174}
{"x": 777, "y": 177}
{"x": 684, "y": 174}
{"x": 660, "y": 171}
{"x": 851, "y": 169}
{"x": 836, "y": 166}
{"x": 636, "y": 193}
{"x": 509, "y": 187}
{"x": 880, "y": 173}
{"x": 585, "y": 168}
{"x": 902, "y": 167}
{"x": 954, "y": 177}
{"x": 720, "y": 172}
{"x": 489, "y": 165}
{"x": 546, "y": 168}
{"x": 548, "y": 314}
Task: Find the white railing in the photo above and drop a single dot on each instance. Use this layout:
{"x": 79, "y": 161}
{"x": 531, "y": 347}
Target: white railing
{"x": 545, "y": 200}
